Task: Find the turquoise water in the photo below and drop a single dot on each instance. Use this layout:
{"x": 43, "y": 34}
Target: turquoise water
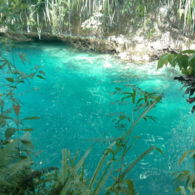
{"x": 75, "y": 98}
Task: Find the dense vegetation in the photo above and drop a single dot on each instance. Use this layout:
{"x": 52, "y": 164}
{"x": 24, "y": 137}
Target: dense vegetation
{"x": 17, "y": 171}
{"x": 185, "y": 60}
{"x": 59, "y": 16}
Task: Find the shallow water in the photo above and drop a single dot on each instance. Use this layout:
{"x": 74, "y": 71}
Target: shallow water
{"x": 75, "y": 98}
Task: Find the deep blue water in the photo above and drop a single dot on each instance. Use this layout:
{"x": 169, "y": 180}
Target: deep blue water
{"x": 75, "y": 98}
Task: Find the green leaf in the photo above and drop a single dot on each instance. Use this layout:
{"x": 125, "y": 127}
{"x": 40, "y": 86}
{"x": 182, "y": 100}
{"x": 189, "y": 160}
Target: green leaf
{"x": 183, "y": 62}
{"x": 133, "y": 96}
{"x": 175, "y": 60}
{"x": 128, "y": 148}
{"x": 32, "y": 118}
{"x": 98, "y": 168}
{"x": 160, "y": 151}
{"x": 183, "y": 191}
{"x": 188, "y": 51}
{"x": 10, "y": 79}
{"x": 148, "y": 108}
{"x": 9, "y": 132}
{"x": 184, "y": 155}
{"x": 40, "y": 77}
{"x": 77, "y": 167}
{"x": 187, "y": 181}
{"x": 63, "y": 173}
{"x": 42, "y": 72}
{"x": 100, "y": 184}
{"x": 128, "y": 119}
{"x": 5, "y": 117}
{"x": 28, "y": 129}
{"x": 186, "y": 172}
{"x": 146, "y": 100}
{"x": 126, "y": 97}
{"x": 192, "y": 154}
{"x": 191, "y": 189}
{"x": 119, "y": 141}
{"x": 165, "y": 56}
{"x": 23, "y": 58}
{"x": 191, "y": 58}
{"x": 16, "y": 109}
{"x": 177, "y": 190}
{"x": 192, "y": 178}
{"x": 130, "y": 186}
{"x": 23, "y": 157}
{"x": 117, "y": 88}
{"x": 31, "y": 75}
{"x": 163, "y": 60}
{"x": 73, "y": 161}
{"x": 38, "y": 153}
{"x": 139, "y": 101}
{"x": 108, "y": 150}
{"x": 192, "y": 64}
{"x": 171, "y": 57}
{"x": 27, "y": 144}
{"x": 152, "y": 118}
{"x": 122, "y": 117}
{"x": 135, "y": 162}
{"x": 82, "y": 172}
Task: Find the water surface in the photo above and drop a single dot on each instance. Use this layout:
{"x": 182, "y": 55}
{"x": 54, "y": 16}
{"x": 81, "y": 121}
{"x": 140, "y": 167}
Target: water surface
{"x": 75, "y": 98}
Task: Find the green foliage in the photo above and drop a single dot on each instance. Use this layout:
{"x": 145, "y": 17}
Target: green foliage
{"x": 34, "y": 14}
{"x": 31, "y": 15}
{"x": 150, "y": 33}
{"x": 59, "y": 13}
{"x": 141, "y": 8}
{"x": 144, "y": 100}
{"x": 186, "y": 9}
{"x": 94, "y": 23}
{"x": 185, "y": 176}
{"x": 127, "y": 6}
{"x": 185, "y": 60}
{"x": 56, "y": 14}
{"x": 15, "y": 153}
{"x": 72, "y": 180}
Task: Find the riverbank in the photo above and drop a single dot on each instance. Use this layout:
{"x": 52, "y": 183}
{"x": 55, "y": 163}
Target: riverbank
{"x": 137, "y": 49}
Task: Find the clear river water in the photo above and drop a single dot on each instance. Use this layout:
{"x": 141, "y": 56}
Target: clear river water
{"x": 75, "y": 98}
